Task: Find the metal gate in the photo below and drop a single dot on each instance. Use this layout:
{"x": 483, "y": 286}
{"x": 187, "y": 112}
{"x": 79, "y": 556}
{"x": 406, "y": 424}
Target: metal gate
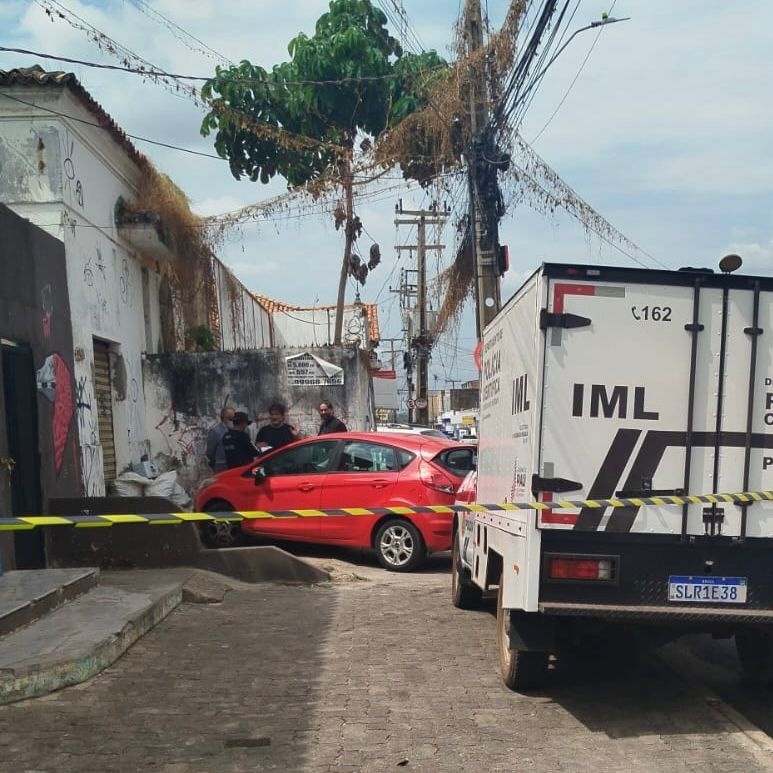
{"x": 103, "y": 394}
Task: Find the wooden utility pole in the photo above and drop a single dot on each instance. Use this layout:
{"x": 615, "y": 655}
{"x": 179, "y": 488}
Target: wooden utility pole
{"x": 484, "y": 233}
{"x": 421, "y": 338}
{"x": 348, "y": 241}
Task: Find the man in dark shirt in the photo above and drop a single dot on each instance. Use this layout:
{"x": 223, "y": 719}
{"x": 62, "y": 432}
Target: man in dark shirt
{"x": 277, "y": 432}
{"x": 329, "y": 421}
{"x": 236, "y": 442}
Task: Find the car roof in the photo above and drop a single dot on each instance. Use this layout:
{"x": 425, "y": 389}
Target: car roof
{"x": 409, "y": 439}
{"x": 427, "y": 431}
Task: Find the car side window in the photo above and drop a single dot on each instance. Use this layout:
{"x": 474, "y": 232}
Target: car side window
{"x": 302, "y": 459}
{"x": 404, "y": 458}
{"x": 360, "y": 456}
{"x": 459, "y": 461}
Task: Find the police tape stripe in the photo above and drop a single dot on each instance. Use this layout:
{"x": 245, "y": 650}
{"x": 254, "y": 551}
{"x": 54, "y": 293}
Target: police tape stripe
{"x": 27, "y": 522}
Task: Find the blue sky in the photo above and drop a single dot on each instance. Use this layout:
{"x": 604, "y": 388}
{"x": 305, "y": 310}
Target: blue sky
{"x": 666, "y": 132}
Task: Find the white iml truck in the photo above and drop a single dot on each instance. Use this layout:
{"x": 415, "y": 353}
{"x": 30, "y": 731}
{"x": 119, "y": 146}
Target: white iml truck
{"x": 598, "y": 383}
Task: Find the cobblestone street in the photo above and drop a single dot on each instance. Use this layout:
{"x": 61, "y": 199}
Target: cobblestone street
{"x": 366, "y": 675}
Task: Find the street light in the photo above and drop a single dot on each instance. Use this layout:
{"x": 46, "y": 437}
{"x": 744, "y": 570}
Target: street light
{"x": 593, "y": 25}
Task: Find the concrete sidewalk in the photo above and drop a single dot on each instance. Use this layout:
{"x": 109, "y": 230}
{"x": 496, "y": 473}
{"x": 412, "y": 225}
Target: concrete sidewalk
{"x": 60, "y": 627}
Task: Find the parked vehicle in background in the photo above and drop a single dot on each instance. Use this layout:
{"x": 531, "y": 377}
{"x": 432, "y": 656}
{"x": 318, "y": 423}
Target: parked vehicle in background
{"x": 347, "y": 470}
{"x": 411, "y": 429}
{"x": 601, "y": 383}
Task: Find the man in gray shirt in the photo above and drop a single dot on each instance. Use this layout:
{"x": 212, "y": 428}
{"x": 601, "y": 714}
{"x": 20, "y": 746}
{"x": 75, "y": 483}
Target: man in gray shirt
{"x": 215, "y": 452}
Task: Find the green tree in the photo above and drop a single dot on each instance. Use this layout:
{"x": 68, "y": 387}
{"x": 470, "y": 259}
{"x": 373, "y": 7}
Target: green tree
{"x": 301, "y": 120}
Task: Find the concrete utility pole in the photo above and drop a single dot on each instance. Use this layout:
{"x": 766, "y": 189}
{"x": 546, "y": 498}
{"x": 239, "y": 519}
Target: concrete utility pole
{"x": 421, "y": 340}
{"x": 484, "y": 231}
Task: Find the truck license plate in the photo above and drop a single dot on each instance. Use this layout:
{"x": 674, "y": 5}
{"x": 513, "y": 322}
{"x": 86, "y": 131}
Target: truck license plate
{"x": 716, "y": 590}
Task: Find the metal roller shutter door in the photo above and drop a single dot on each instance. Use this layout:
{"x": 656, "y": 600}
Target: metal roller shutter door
{"x": 104, "y": 399}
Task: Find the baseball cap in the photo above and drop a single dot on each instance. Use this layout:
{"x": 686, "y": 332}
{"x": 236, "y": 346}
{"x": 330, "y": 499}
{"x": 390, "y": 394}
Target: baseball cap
{"x": 240, "y": 417}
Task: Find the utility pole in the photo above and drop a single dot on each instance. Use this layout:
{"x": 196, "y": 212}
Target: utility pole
{"x": 420, "y": 338}
{"x": 483, "y": 160}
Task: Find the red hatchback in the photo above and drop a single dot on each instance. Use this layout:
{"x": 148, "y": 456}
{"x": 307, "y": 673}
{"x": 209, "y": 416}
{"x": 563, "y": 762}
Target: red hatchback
{"x": 352, "y": 469}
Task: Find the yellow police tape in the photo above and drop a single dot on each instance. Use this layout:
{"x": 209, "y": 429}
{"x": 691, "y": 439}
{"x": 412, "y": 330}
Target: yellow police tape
{"x": 27, "y": 522}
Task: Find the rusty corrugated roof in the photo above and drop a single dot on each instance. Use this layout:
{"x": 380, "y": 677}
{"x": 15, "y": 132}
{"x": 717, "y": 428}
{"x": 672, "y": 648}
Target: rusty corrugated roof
{"x": 371, "y": 311}
{"x": 37, "y": 76}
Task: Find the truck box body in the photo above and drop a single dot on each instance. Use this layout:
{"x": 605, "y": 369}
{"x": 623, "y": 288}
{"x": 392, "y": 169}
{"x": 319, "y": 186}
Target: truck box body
{"x": 601, "y": 382}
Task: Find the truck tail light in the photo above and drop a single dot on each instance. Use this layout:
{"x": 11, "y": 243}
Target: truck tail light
{"x": 581, "y": 568}
{"x": 434, "y": 478}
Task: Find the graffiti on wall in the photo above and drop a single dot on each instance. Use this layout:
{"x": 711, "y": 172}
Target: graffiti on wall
{"x": 47, "y": 305}
{"x": 54, "y": 381}
{"x": 124, "y": 281}
{"x": 182, "y": 440}
{"x": 134, "y": 402}
{"x": 91, "y": 455}
{"x": 94, "y": 277}
{"x": 87, "y": 418}
{"x": 72, "y": 182}
{"x": 92, "y": 475}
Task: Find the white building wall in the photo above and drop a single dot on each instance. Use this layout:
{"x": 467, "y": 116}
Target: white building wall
{"x": 67, "y": 179}
{"x": 66, "y": 176}
{"x": 244, "y": 323}
{"x": 316, "y": 327}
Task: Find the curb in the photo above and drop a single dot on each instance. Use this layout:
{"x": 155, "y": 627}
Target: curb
{"x": 35, "y": 683}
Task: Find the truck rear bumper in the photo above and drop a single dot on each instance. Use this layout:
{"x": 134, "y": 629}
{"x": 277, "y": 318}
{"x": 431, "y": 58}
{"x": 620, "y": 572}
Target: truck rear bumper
{"x": 644, "y": 565}
{"x": 622, "y": 613}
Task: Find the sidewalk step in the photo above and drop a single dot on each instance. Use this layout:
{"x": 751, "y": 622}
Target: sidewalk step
{"x": 27, "y": 595}
{"x": 81, "y": 638}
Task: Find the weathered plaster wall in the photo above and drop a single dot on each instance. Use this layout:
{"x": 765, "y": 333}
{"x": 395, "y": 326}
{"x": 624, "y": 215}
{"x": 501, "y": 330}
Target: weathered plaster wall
{"x": 185, "y": 392}
{"x": 66, "y": 177}
{"x": 35, "y": 310}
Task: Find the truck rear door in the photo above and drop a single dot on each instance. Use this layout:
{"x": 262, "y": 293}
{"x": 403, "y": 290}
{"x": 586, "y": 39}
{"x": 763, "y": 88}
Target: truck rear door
{"x": 655, "y": 383}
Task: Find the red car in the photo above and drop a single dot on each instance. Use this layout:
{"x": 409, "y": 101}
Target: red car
{"x": 352, "y": 469}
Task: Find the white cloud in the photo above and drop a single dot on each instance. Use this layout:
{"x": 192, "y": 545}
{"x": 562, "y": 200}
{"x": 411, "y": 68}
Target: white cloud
{"x": 666, "y": 133}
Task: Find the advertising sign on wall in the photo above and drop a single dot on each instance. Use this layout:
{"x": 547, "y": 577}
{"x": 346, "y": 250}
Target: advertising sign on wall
{"x": 309, "y": 370}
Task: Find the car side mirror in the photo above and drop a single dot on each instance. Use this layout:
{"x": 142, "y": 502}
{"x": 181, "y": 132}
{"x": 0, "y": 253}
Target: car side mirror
{"x": 260, "y": 475}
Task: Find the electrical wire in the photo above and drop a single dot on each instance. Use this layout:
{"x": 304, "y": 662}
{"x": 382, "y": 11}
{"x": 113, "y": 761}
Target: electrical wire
{"x": 574, "y": 80}
{"x": 153, "y": 73}
{"x": 108, "y": 129}
{"x": 174, "y": 28}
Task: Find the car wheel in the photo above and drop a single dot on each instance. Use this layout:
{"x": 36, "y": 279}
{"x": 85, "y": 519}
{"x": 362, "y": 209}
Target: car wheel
{"x": 520, "y": 669}
{"x": 755, "y": 651}
{"x": 215, "y": 534}
{"x": 399, "y": 546}
{"x": 464, "y": 594}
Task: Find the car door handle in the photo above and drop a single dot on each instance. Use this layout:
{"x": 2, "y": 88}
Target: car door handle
{"x": 306, "y": 487}
{"x": 380, "y": 483}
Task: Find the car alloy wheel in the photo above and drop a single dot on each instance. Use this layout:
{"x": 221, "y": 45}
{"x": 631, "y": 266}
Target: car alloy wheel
{"x": 220, "y": 534}
{"x": 399, "y": 546}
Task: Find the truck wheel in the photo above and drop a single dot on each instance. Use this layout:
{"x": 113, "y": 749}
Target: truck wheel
{"x": 755, "y": 651}
{"x": 220, "y": 535}
{"x": 464, "y": 594}
{"x": 521, "y": 669}
{"x": 399, "y": 546}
